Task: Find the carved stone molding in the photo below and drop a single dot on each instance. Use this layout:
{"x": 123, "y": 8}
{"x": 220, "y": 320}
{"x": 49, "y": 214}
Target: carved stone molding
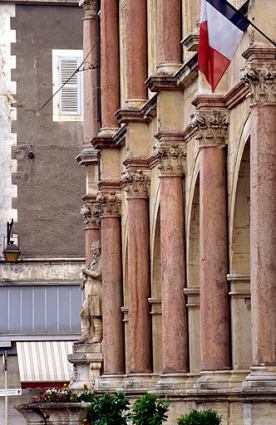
{"x": 137, "y": 183}
{"x": 171, "y": 158}
{"x": 110, "y": 203}
{"x": 260, "y": 77}
{"x": 212, "y": 126}
{"x": 90, "y": 212}
{"x": 89, "y": 8}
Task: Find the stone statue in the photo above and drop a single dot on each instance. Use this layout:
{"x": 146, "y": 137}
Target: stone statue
{"x": 91, "y": 313}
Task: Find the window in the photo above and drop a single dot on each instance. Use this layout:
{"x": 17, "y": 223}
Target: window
{"x": 68, "y": 102}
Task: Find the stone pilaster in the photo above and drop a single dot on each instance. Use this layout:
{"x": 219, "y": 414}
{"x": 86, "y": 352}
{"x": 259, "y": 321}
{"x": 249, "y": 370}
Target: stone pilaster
{"x": 112, "y": 287}
{"x": 139, "y": 322}
{"x": 214, "y": 301}
{"x": 171, "y": 154}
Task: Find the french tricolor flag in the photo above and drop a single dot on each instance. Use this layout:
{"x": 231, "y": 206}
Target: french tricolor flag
{"x": 221, "y": 30}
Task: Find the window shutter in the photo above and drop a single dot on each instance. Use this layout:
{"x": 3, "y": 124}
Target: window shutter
{"x": 70, "y": 102}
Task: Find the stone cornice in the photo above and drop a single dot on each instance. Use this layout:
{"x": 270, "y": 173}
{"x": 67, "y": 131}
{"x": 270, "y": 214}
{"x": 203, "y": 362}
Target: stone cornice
{"x": 104, "y": 143}
{"x": 90, "y": 212}
{"x": 171, "y": 157}
{"x": 127, "y": 115}
{"x": 137, "y": 183}
{"x": 156, "y": 83}
{"x": 110, "y": 203}
{"x": 259, "y": 73}
{"x": 212, "y": 126}
{"x": 88, "y": 156}
{"x": 189, "y": 133}
{"x": 112, "y": 185}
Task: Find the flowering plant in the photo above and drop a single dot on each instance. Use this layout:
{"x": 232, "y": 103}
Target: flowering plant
{"x": 64, "y": 395}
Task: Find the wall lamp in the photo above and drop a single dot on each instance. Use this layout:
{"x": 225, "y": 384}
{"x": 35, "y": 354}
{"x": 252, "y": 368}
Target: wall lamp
{"x": 11, "y": 251}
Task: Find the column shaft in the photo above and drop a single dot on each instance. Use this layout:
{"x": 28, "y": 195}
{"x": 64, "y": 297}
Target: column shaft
{"x": 174, "y": 320}
{"x": 136, "y": 49}
{"x": 90, "y": 126}
{"x": 113, "y": 340}
{"x": 214, "y": 301}
{"x": 139, "y": 286}
{"x": 110, "y": 86}
{"x": 169, "y": 31}
{"x": 262, "y": 233}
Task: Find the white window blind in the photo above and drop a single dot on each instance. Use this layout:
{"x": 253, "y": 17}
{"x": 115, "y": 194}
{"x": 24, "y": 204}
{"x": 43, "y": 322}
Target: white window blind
{"x": 70, "y": 99}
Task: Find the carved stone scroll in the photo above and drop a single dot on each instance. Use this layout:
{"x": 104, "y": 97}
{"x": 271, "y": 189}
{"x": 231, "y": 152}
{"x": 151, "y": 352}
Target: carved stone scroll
{"x": 110, "y": 203}
{"x": 137, "y": 183}
{"x": 260, "y": 76}
{"x": 90, "y": 213}
{"x": 212, "y": 126}
{"x": 171, "y": 158}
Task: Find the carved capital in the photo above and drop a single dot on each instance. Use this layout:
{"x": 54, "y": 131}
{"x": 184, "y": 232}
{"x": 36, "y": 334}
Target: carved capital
{"x": 137, "y": 183}
{"x": 212, "y": 126}
{"x": 171, "y": 158}
{"x": 260, "y": 77}
{"x": 110, "y": 203}
{"x": 90, "y": 213}
{"x": 89, "y": 8}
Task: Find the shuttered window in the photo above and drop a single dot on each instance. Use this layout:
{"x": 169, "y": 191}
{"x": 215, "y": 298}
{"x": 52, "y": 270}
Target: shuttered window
{"x": 70, "y": 98}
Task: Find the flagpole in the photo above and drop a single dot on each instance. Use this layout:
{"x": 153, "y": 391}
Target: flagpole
{"x": 250, "y": 22}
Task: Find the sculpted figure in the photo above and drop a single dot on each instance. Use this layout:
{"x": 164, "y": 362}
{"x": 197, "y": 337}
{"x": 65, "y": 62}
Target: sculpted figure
{"x": 91, "y": 313}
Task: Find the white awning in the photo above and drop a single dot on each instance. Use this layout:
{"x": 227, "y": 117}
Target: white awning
{"x": 44, "y": 361}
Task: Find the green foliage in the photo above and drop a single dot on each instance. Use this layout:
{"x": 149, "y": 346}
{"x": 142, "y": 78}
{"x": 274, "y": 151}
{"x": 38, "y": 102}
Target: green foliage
{"x": 207, "y": 417}
{"x": 106, "y": 409}
{"x": 150, "y": 410}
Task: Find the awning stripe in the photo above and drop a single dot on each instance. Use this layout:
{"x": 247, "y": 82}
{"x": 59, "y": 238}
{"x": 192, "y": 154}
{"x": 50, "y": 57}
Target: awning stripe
{"x": 44, "y": 361}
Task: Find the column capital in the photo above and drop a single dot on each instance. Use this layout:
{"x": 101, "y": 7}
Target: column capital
{"x": 110, "y": 203}
{"x": 259, "y": 74}
{"x": 212, "y": 126}
{"x": 137, "y": 183}
{"x": 90, "y": 212}
{"x": 89, "y": 8}
{"x": 171, "y": 157}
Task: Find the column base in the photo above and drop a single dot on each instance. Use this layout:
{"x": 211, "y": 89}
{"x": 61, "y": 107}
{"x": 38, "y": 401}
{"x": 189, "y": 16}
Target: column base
{"x": 258, "y": 397}
{"x": 134, "y": 103}
{"x": 87, "y": 362}
{"x": 107, "y": 131}
{"x": 111, "y": 382}
{"x": 213, "y": 380}
{"x": 169, "y": 68}
{"x": 139, "y": 382}
{"x": 172, "y": 383}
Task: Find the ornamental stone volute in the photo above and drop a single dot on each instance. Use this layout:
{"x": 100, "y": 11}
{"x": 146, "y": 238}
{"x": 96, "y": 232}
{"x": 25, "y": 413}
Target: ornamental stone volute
{"x": 171, "y": 158}
{"x": 137, "y": 183}
{"x": 89, "y": 8}
{"x": 110, "y": 203}
{"x": 90, "y": 213}
{"x": 212, "y": 126}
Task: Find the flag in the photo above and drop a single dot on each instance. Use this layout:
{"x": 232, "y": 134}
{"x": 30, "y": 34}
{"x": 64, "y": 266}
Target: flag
{"x": 221, "y": 30}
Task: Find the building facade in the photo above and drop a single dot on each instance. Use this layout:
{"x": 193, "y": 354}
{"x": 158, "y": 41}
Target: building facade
{"x": 40, "y": 191}
{"x": 184, "y": 183}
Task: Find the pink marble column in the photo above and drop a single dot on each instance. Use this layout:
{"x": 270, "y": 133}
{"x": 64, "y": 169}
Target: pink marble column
{"x": 110, "y": 85}
{"x": 174, "y": 316}
{"x": 169, "y": 31}
{"x": 136, "y": 50}
{"x": 263, "y": 233}
{"x": 112, "y": 288}
{"x": 139, "y": 286}
{"x": 90, "y": 126}
{"x": 214, "y": 300}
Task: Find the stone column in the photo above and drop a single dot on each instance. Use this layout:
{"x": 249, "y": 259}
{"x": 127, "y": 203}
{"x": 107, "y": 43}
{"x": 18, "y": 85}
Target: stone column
{"x": 136, "y": 52}
{"x": 110, "y": 84}
{"x": 260, "y": 74}
{"x": 90, "y": 212}
{"x": 112, "y": 287}
{"x": 214, "y": 300}
{"x": 169, "y": 36}
{"x": 90, "y": 125}
{"x": 138, "y": 272}
{"x": 174, "y": 315}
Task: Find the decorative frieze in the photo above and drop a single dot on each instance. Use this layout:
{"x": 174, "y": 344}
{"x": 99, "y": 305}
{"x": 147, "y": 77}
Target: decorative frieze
{"x": 171, "y": 158}
{"x": 260, "y": 77}
{"x": 90, "y": 213}
{"x": 212, "y": 126}
{"x": 110, "y": 203}
{"x": 137, "y": 183}
{"x": 89, "y": 8}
